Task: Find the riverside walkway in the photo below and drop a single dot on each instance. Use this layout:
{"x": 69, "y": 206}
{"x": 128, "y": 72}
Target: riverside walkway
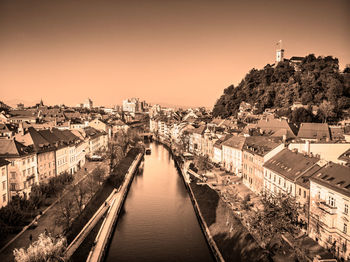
{"x": 98, "y": 250}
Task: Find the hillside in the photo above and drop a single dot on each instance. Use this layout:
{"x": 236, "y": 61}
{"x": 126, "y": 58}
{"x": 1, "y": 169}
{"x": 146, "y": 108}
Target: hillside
{"x": 312, "y": 82}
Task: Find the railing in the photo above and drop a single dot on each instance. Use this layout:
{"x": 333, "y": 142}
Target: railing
{"x": 332, "y": 210}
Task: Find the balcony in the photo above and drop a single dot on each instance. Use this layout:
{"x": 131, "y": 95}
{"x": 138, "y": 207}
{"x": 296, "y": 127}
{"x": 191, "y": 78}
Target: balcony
{"x": 327, "y": 208}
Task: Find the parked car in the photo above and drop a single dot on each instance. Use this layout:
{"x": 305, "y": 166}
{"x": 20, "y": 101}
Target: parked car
{"x": 95, "y": 158}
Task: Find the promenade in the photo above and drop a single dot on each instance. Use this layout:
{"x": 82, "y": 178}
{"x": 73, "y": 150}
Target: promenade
{"x": 45, "y": 221}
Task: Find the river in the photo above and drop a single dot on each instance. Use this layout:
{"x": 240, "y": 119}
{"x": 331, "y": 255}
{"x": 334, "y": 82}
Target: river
{"x": 158, "y": 222}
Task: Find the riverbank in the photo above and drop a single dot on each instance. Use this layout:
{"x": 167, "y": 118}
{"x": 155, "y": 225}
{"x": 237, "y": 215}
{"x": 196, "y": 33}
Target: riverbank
{"x": 228, "y": 239}
{"x": 115, "y": 180}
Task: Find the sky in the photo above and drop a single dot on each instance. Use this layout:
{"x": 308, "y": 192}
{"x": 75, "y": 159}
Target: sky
{"x": 175, "y": 52}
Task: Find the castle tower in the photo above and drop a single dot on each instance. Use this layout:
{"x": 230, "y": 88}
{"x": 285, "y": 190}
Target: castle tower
{"x": 279, "y": 52}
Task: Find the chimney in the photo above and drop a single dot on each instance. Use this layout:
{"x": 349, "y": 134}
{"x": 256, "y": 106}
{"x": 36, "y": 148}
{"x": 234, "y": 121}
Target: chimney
{"x": 307, "y": 147}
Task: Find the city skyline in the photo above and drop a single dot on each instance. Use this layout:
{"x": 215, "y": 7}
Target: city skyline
{"x": 181, "y": 53}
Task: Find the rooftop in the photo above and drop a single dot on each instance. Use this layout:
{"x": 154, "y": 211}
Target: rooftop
{"x": 334, "y": 176}
{"x": 290, "y": 164}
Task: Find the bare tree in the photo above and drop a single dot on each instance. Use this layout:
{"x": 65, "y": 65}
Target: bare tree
{"x": 98, "y": 174}
{"x": 79, "y": 193}
{"x": 327, "y": 110}
{"x": 65, "y": 211}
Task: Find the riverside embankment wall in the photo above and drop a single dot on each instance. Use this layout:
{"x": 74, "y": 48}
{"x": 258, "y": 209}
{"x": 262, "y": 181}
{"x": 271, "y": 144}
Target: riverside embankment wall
{"x": 103, "y": 238}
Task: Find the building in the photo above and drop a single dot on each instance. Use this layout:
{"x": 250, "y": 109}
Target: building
{"x": 328, "y": 151}
{"x": 256, "y": 151}
{"x": 329, "y": 208}
{"x": 315, "y": 132}
{"x": 4, "y": 186}
{"x": 288, "y": 172}
{"x": 232, "y": 154}
{"x": 45, "y": 153}
{"x": 61, "y": 152}
{"x": 101, "y": 125}
{"x": 88, "y": 103}
{"x": 131, "y": 105}
{"x": 277, "y": 127}
{"x": 97, "y": 140}
{"x": 22, "y": 170}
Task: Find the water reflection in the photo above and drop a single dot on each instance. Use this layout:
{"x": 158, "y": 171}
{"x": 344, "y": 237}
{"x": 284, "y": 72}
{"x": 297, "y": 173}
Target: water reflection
{"x": 159, "y": 223}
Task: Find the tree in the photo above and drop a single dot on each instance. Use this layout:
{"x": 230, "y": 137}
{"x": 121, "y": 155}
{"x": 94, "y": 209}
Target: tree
{"x": 203, "y": 164}
{"x": 301, "y": 115}
{"x": 184, "y": 141}
{"x": 327, "y": 110}
{"x": 98, "y": 174}
{"x": 65, "y": 212}
{"x": 46, "y": 248}
{"x": 279, "y": 215}
{"x": 79, "y": 193}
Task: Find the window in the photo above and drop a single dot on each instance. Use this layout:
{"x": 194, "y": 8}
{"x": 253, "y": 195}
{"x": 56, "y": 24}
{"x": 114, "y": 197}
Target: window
{"x": 346, "y": 208}
{"x": 24, "y": 162}
{"x": 345, "y": 228}
{"x": 3, "y": 172}
{"x": 3, "y": 185}
{"x": 279, "y": 180}
{"x": 299, "y": 191}
{"x": 274, "y": 178}
{"x": 4, "y": 198}
{"x": 32, "y": 170}
{"x": 13, "y": 175}
{"x": 25, "y": 184}
{"x": 331, "y": 201}
{"x": 28, "y": 171}
{"x": 13, "y": 186}
{"x": 304, "y": 194}
{"x": 284, "y": 185}
{"x": 24, "y": 172}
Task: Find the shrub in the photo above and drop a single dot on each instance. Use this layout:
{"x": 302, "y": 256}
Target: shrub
{"x": 46, "y": 248}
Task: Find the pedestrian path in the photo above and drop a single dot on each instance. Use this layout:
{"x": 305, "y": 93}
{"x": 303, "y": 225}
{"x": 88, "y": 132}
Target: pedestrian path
{"x": 44, "y": 221}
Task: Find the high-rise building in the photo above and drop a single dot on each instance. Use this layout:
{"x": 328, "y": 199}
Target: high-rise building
{"x": 88, "y": 103}
{"x": 131, "y": 105}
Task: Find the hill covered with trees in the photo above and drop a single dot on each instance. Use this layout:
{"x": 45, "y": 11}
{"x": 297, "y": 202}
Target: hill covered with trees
{"x": 314, "y": 81}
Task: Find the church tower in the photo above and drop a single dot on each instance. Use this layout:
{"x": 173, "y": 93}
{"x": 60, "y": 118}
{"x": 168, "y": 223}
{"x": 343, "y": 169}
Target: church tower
{"x": 279, "y": 52}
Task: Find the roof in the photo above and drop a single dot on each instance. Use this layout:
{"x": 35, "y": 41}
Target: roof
{"x": 304, "y": 179}
{"x": 260, "y": 145}
{"x": 337, "y": 133}
{"x": 50, "y": 137}
{"x": 297, "y": 58}
{"x": 235, "y": 142}
{"x": 13, "y": 148}
{"x": 3, "y": 162}
{"x": 199, "y": 130}
{"x": 318, "y": 131}
{"x": 5, "y": 128}
{"x": 345, "y": 156}
{"x": 334, "y": 176}
{"x": 290, "y": 164}
{"x": 274, "y": 125}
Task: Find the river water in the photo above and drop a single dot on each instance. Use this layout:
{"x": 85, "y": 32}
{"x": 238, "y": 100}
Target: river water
{"x": 158, "y": 222}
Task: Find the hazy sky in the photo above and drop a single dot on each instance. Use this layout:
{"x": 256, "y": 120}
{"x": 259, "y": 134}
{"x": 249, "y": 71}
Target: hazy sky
{"x": 178, "y": 52}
